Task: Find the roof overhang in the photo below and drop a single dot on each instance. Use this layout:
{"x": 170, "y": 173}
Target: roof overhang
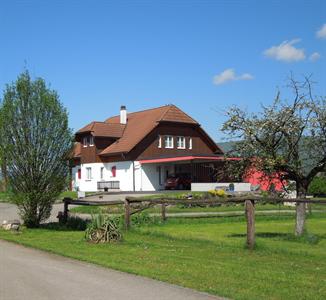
{"x": 189, "y": 158}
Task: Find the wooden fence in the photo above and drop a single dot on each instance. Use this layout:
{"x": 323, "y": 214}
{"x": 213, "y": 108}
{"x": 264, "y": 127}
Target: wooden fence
{"x": 133, "y": 205}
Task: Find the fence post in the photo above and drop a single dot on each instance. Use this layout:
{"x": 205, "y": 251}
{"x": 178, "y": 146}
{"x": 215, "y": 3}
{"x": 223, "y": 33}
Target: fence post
{"x": 250, "y": 216}
{"x": 65, "y": 209}
{"x": 127, "y": 214}
{"x": 163, "y": 212}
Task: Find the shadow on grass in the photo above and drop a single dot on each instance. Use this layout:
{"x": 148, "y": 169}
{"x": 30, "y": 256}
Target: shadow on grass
{"x": 307, "y": 238}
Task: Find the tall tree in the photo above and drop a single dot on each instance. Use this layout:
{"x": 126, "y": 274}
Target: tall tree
{"x": 287, "y": 138}
{"x": 36, "y": 141}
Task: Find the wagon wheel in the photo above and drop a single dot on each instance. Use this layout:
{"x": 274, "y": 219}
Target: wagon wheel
{"x": 93, "y": 236}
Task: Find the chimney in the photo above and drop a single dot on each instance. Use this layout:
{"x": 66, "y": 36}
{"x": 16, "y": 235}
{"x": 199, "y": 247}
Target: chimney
{"x": 123, "y": 115}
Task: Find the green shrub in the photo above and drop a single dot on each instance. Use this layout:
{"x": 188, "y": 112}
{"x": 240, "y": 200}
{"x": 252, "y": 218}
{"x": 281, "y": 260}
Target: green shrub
{"x": 76, "y": 223}
{"x": 317, "y": 186}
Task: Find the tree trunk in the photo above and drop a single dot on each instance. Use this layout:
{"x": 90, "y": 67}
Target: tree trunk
{"x": 300, "y": 210}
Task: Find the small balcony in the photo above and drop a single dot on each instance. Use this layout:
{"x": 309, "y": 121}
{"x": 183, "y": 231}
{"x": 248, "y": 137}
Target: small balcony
{"x": 108, "y": 185}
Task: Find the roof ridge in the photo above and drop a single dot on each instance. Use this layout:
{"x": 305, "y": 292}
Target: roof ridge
{"x": 139, "y": 111}
{"x": 173, "y": 105}
{"x": 170, "y": 106}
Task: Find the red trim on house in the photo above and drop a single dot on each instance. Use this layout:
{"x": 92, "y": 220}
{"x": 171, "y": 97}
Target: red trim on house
{"x": 183, "y": 158}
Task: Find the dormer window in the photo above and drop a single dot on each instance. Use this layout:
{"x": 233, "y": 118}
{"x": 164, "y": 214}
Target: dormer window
{"x": 181, "y": 142}
{"x": 168, "y": 141}
{"x": 85, "y": 141}
{"x": 159, "y": 142}
{"x": 91, "y": 141}
{"x": 88, "y": 141}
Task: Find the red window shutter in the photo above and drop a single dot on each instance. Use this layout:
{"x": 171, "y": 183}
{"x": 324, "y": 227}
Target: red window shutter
{"x": 114, "y": 171}
{"x": 79, "y": 173}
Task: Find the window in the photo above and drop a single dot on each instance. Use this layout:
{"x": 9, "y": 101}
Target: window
{"x": 88, "y": 173}
{"x": 79, "y": 174}
{"x": 91, "y": 141}
{"x": 181, "y": 142}
{"x": 190, "y": 143}
{"x": 168, "y": 141}
{"x": 88, "y": 141}
{"x": 159, "y": 141}
{"x": 114, "y": 171}
{"x": 85, "y": 141}
{"x": 102, "y": 173}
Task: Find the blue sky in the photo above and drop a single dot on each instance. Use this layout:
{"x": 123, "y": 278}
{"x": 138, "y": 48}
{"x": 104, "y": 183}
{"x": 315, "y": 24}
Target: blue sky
{"x": 203, "y": 56}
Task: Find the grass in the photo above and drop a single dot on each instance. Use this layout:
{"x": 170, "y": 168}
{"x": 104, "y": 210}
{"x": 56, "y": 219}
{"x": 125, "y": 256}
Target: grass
{"x": 208, "y": 255}
{"x": 4, "y": 197}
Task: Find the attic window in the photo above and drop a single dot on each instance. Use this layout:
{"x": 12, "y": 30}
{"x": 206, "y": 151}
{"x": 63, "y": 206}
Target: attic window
{"x": 190, "y": 143}
{"x": 159, "y": 142}
{"x": 85, "y": 141}
{"x": 168, "y": 141}
{"x": 91, "y": 141}
{"x": 181, "y": 142}
{"x": 88, "y": 141}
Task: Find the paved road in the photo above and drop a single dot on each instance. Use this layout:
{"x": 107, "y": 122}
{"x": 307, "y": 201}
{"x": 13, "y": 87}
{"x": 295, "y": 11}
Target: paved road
{"x": 31, "y": 274}
{"x": 9, "y": 211}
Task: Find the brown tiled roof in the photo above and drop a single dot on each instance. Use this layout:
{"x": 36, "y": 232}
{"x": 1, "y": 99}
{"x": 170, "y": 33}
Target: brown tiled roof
{"x": 140, "y": 124}
{"x": 103, "y": 129}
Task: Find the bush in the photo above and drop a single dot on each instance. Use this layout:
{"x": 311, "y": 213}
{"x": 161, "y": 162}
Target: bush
{"x": 76, "y": 223}
{"x": 317, "y": 186}
{"x": 217, "y": 193}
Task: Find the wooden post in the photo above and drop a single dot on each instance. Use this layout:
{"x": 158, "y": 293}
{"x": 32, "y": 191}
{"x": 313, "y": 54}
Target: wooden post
{"x": 65, "y": 209}
{"x": 163, "y": 212}
{"x": 127, "y": 214}
{"x": 250, "y": 216}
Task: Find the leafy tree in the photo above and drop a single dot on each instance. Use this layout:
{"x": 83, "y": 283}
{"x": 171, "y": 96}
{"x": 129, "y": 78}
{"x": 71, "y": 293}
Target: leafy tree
{"x": 287, "y": 138}
{"x": 36, "y": 143}
{"x": 318, "y": 186}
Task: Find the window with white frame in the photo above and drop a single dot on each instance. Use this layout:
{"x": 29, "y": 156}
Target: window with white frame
{"x": 181, "y": 142}
{"x": 85, "y": 141}
{"x": 159, "y": 142}
{"x": 190, "y": 143}
{"x": 91, "y": 141}
{"x": 102, "y": 173}
{"x": 88, "y": 173}
{"x": 168, "y": 141}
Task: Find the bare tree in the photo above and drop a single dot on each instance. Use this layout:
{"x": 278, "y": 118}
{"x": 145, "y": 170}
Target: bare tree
{"x": 287, "y": 138}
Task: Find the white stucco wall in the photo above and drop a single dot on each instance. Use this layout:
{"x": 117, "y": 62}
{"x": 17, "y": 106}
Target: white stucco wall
{"x": 147, "y": 176}
{"x": 204, "y": 187}
{"x": 124, "y": 174}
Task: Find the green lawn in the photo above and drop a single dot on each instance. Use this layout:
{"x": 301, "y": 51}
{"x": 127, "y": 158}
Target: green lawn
{"x": 208, "y": 255}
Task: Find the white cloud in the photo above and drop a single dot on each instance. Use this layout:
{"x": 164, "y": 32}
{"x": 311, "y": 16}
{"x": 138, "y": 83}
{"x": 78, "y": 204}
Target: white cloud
{"x": 286, "y": 51}
{"x": 321, "y": 33}
{"x": 230, "y": 75}
{"x": 314, "y": 57}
